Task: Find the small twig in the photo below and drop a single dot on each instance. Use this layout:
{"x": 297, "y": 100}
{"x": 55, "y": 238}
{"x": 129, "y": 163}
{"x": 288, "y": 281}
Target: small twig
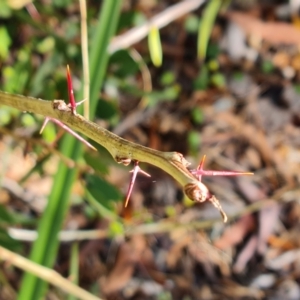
{"x": 146, "y": 75}
{"x": 137, "y": 115}
{"x": 5, "y": 284}
{"x": 46, "y": 274}
{"x": 36, "y": 202}
{"x": 49, "y": 149}
{"x": 153, "y": 228}
{"x": 162, "y": 19}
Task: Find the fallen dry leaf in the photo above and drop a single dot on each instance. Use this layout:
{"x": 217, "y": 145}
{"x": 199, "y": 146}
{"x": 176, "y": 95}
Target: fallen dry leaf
{"x": 234, "y": 290}
{"x": 273, "y": 32}
{"x": 267, "y": 219}
{"x": 236, "y": 233}
{"x": 129, "y": 254}
{"x": 245, "y": 255}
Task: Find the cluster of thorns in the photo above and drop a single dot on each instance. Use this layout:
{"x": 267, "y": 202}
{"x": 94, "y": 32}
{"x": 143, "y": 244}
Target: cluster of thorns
{"x": 198, "y": 173}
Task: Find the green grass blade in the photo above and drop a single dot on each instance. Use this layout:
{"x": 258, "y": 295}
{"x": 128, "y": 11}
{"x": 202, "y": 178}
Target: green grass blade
{"x": 206, "y": 25}
{"x": 74, "y": 266}
{"x": 45, "y": 248}
{"x": 99, "y": 56}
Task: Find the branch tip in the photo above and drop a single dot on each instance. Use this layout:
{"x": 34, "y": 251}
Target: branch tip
{"x": 216, "y": 203}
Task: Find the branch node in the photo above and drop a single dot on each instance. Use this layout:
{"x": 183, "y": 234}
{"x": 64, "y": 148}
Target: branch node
{"x": 198, "y": 192}
{"x": 60, "y": 105}
{"x": 123, "y": 160}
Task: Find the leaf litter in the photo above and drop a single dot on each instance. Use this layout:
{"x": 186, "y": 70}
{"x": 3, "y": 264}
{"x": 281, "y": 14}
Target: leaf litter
{"x": 250, "y": 125}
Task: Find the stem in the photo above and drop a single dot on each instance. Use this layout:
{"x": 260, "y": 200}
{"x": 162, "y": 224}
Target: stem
{"x": 85, "y": 58}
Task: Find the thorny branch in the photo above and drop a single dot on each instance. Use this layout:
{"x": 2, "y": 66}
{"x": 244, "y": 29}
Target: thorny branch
{"x": 122, "y": 151}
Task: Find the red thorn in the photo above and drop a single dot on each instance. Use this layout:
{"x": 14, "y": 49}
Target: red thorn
{"x": 71, "y": 92}
{"x": 199, "y": 172}
{"x": 72, "y": 105}
{"x": 200, "y": 167}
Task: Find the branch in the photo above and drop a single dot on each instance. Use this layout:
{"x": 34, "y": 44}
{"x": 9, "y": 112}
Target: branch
{"x": 122, "y": 151}
{"x": 42, "y": 272}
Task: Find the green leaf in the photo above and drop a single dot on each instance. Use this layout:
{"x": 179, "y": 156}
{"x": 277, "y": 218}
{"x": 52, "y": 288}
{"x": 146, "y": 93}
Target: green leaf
{"x": 267, "y": 67}
{"x": 45, "y": 70}
{"x": 96, "y": 162}
{"x": 191, "y": 23}
{"x": 5, "y": 10}
{"x": 202, "y": 80}
{"x": 167, "y": 78}
{"x": 139, "y": 19}
{"x": 116, "y": 228}
{"x": 238, "y": 76}
{"x": 49, "y": 133}
{"x": 122, "y": 64}
{"x": 28, "y": 120}
{"x": 62, "y": 3}
{"x": 101, "y": 209}
{"x": 103, "y": 191}
{"x": 213, "y": 65}
{"x": 5, "y": 216}
{"x": 218, "y": 80}
{"x": 168, "y": 94}
{"x": 197, "y": 115}
{"x": 46, "y": 45}
{"x": 126, "y": 20}
{"x": 8, "y": 242}
{"x": 194, "y": 141}
{"x": 5, "y": 42}
{"x": 297, "y": 88}
{"x": 106, "y": 109}
{"x": 5, "y": 116}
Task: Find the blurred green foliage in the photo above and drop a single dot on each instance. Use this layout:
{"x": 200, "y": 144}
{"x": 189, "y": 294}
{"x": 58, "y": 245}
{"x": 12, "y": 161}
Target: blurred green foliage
{"x": 205, "y": 26}
{"x": 5, "y": 42}
{"x": 103, "y": 191}
{"x": 34, "y": 52}
{"x": 155, "y": 47}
